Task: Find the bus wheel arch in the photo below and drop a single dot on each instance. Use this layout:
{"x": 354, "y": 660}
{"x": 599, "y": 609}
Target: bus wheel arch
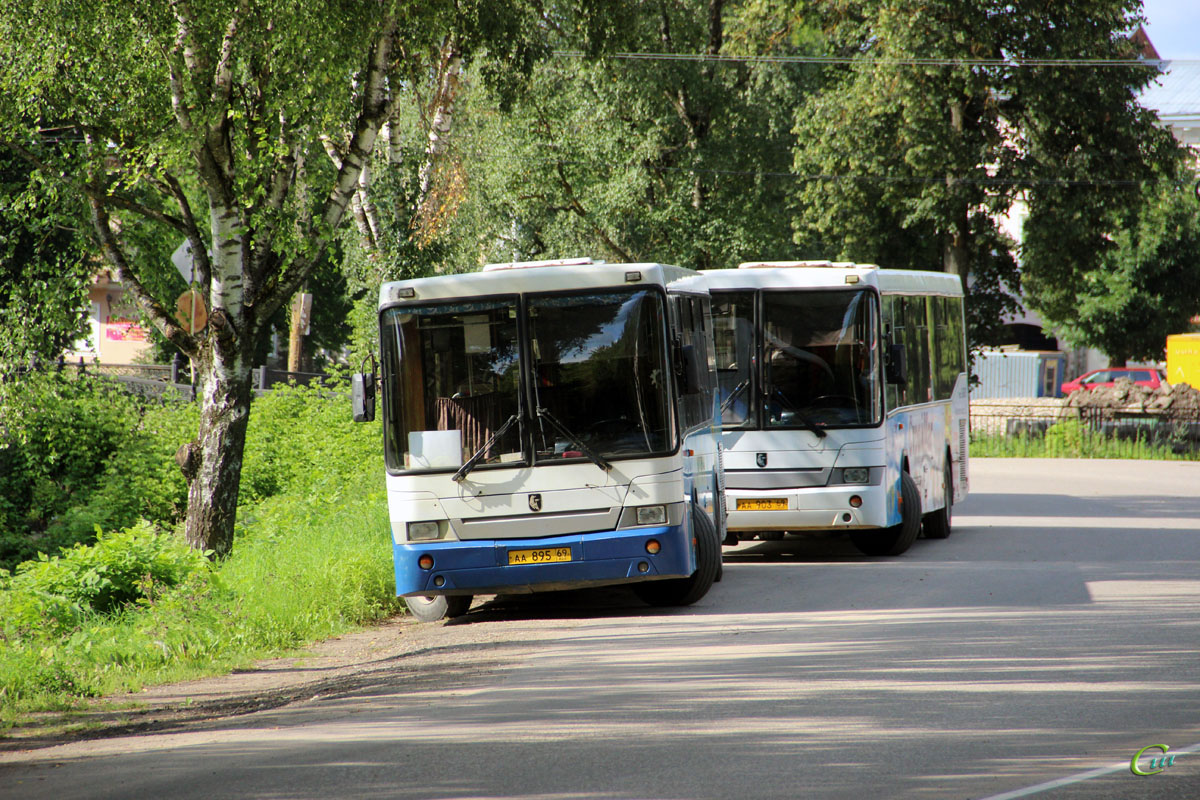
{"x": 937, "y": 523}
{"x": 897, "y": 539}
{"x": 685, "y": 591}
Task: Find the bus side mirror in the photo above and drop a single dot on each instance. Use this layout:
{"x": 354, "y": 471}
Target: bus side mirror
{"x": 897, "y": 365}
{"x": 362, "y": 396}
{"x": 691, "y": 378}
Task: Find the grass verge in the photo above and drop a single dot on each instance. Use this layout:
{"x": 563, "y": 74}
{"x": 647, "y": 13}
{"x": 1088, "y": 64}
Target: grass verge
{"x": 310, "y": 561}
{"x": 1072, "y": 439}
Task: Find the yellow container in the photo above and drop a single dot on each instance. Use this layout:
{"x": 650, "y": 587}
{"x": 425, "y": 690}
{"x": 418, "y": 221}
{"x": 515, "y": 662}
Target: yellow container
{"x": 1183, "y": 359}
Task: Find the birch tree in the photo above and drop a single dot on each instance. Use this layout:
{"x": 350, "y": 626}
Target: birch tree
{"x": 208, "y": 117}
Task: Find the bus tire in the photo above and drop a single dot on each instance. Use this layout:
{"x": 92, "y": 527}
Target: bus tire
{"x": 894, "y": 540}
{"x": 431, "y": 608}
{"x": 937, "y": 523}
{"x": 685, "y": 591}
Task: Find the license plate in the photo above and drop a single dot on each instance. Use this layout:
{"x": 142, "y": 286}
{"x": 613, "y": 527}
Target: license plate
{"x": 544, "y": 555}
{"x": 763, "y": 504}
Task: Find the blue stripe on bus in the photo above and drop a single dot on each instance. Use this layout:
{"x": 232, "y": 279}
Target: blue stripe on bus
{"x": 481, "y": 566}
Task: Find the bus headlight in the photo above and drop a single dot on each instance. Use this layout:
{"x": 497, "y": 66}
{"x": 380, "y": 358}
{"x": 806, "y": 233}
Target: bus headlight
{"x": 423, "y": 531}
{"x": 856, "y": 475}
{"x": 651, "y": 515}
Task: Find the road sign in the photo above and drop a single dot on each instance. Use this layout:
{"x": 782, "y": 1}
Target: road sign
{"x": 183, "y": 261}
{"x": 191, "y": 312}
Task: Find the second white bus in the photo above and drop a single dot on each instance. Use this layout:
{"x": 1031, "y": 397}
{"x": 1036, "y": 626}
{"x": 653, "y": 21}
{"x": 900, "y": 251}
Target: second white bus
{"x": 843, "y": 394}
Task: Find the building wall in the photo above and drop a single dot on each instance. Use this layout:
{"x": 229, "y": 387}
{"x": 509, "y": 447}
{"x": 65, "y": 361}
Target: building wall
{"x": 116, "y": 337}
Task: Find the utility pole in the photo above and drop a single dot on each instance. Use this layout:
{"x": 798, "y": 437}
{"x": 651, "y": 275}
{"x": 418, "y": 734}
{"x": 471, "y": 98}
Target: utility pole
{"x": 299, "y": 327}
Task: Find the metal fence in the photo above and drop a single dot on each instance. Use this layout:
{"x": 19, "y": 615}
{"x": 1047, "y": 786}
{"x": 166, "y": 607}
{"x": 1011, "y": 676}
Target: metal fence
{"x": 1051, "y": 428}
{"x": 161, "y": 380}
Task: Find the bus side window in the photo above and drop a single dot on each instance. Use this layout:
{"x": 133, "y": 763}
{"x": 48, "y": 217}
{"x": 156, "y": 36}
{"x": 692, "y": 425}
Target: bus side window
{"x": 893, "y": 327}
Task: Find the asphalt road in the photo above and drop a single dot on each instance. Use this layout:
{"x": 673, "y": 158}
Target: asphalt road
{"x": 1032, "y": 654}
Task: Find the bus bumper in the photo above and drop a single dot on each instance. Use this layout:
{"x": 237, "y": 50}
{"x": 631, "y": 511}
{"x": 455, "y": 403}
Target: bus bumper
{"x": 597, "y": 559}
{"x": 810, "y": 509}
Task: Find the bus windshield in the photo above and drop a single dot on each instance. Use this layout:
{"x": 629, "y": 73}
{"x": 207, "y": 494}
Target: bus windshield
{"x": 820, "y": 359}
{"x": 597, "y": 374}
{"x": 599, "y": 368}
{"x": 454, "y": 382}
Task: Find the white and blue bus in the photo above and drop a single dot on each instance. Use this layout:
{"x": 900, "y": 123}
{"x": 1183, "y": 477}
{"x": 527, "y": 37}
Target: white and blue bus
{"x": 843, "y": 395}
{"x": 549, "y": 425}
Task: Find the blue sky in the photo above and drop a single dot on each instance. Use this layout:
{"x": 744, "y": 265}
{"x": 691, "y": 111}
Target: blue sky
{"x": 1174, "y": 27}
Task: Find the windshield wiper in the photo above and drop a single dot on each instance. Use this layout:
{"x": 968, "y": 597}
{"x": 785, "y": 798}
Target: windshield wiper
{"x": 805, "y": 421}
{"x": 575, "y": 440}
{"x": 733, "y": 394}
{"x": 474, "y": 459}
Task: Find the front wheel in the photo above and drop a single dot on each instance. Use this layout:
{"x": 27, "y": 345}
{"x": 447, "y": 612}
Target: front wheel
{"x": 431, "y": 608}
{"x": 685, "y": 591}
{"x": 894, "y": 540}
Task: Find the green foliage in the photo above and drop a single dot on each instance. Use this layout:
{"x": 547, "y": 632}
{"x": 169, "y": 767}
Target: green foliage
{"x": 122, "y": 567}
{"x": 622, "y": 159}
{"x": 1071, "y": 438}
{"x": 312, "y": 560}
{"x": 299, "y": 432}
{"x": 44, "y": 269}
{"x": 80, "y": 452}
{"x": 1147, "y": 285}
{"x": 910, "y": 162}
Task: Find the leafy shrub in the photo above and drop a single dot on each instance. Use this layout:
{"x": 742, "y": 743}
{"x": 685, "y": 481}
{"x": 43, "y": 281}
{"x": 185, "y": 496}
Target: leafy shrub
{"x": 312, "y": 558}
{"x": 122, "y": 567}
{"x": 80, "y": 452}
{"x": 56, "y": 432}
{"x": 1065, "y": 438}
{"x": 140, "y": 480}
{"x": 299, "y": 432}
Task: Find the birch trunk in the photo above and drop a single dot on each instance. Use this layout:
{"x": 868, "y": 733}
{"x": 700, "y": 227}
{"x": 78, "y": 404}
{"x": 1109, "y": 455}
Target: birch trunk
{"x": 213, "y": 462}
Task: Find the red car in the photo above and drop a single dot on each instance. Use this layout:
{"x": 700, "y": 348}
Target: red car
{"x": 1142, "y": 376}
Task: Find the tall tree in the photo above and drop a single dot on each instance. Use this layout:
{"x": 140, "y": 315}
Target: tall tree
{"x": 679, "y": 153}
{"x": 944, "y": 117}
{"x": 1147, "y": 285}
{"x": 207, "y": 117}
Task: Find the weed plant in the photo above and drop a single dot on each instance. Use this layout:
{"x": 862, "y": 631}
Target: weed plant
{"x": 1071, "y": 438}
{"x": 311, "y": 559}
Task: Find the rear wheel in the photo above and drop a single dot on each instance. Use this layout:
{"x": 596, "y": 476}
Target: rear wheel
{"x": 894, "y": 540}
{"x": 431, "y": 608}
{"x": 685, "y": 591}
{"x": 937, "y": 523}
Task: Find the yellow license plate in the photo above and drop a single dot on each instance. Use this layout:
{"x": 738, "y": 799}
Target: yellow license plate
{"x": 763, "y": 504}
{"x": 545, "y": 555}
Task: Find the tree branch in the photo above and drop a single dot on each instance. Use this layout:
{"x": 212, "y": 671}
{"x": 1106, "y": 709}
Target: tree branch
{"x": 582, "y": 213}
{"x": 377, "y": 106}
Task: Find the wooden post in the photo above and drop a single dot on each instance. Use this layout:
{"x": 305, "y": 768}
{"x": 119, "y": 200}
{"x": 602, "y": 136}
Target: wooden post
{"x": 301, "y": 313}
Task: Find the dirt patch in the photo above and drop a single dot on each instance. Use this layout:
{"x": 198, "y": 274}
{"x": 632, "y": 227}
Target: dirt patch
{"x": 396, "y": 651}
{"x": 1124, "y": 395}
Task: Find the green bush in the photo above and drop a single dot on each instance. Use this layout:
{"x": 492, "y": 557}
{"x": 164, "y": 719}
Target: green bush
{"x": 1072, "y": 438}
{"x": 309, "y": 561}
{"x": 123, "y": 567}
{"x": 297, "y": 434}
{"x": 80, "y": 452}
